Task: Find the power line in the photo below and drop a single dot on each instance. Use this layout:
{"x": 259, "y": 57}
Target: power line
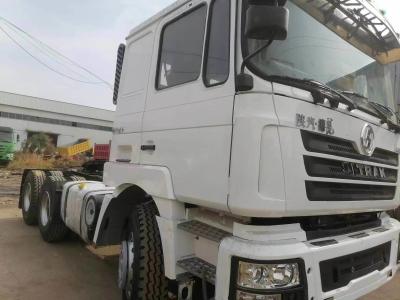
{"x": 55, "y": 51}
{"x": 56, "y": 59}
{"x": 40, "y": 61}
{"x": 101, "y": 81}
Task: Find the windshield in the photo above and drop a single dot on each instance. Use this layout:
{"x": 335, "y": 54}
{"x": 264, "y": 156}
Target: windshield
{"x": 312, "y": 51}
{"x": 5, "y": 136}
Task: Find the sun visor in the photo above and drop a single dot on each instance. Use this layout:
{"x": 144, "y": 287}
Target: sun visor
{"x": 359, "y": 23}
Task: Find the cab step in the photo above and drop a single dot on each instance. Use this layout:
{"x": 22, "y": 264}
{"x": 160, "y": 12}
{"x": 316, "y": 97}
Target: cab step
{"x": 204, "y": 230}
{"x": 198, "y": 267}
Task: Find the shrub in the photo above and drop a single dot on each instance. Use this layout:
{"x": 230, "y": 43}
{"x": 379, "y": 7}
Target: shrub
{"x": 24, "y": 160}
{"x": 40, "y": 143}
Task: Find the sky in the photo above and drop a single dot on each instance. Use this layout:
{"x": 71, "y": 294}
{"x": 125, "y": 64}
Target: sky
{"x": 86, "y": 31}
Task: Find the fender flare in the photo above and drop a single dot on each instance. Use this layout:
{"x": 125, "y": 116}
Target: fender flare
{"x": 155, "y": 180}
{"x": 134, "y": 184}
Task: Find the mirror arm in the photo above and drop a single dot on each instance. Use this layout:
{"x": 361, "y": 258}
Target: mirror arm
{"x": 250, "y": 56}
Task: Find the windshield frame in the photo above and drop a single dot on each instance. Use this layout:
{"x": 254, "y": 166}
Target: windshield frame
{"x": 256, "y": 70}
{"x": 10, "y": 132}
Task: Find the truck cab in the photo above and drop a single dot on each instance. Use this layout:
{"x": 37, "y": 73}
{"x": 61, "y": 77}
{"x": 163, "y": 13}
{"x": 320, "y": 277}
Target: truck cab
{"x": 255, "y": 152}
{"x": 293, "y": 131}
{"x": 7, "y": 144}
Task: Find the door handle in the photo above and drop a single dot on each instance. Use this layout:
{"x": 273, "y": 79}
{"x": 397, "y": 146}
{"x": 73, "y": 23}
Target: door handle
{"x": 121, "y": 160}
{"x": 148, "y": 147}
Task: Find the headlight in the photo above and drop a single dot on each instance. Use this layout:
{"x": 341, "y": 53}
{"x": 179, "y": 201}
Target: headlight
{"x": 267, "y": 276}
{"x": 250, "y": 296}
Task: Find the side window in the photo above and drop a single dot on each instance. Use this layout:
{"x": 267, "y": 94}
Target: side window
{"x": 217, "y": 54}
{"x": 182, "y": 49}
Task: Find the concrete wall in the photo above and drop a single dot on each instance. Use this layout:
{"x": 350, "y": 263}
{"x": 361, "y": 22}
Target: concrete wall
{"x": 66, "y": 135}
{"x": 13, "y": 106}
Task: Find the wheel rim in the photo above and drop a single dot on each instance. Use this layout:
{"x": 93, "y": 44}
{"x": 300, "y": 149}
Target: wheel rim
{"x": 45, "y": 209}
{"x": 27, "y": 197}
{"x": 125, "y": 269}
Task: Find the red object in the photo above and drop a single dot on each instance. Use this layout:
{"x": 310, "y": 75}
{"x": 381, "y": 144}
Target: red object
{"x": 102, "y": 152}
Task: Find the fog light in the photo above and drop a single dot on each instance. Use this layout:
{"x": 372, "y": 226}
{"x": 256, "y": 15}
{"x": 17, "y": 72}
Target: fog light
{"x": 249, "y": 296}
{"x": 268, "y": 276}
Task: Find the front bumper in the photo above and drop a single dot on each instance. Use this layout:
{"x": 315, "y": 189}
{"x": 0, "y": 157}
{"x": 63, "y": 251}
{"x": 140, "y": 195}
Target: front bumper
{"x": 6, "y": 156}
{"x": 312, "y": 255}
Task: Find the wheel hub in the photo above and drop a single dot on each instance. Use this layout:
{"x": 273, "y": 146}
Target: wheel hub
{"x": 123, "y": 265}
{"x": 125, "y": 269}
{"x": 27, "y": 197}
{"x": 45, "y": 209}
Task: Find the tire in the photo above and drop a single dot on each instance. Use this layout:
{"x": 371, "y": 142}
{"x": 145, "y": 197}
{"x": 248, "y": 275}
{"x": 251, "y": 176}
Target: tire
{"x": 51, "y": 226}
{"x": 31, "y": 190}
{"x": 146, "y": 267}
{"x": 76, "y": 178}
{"x": 56, "y": 173}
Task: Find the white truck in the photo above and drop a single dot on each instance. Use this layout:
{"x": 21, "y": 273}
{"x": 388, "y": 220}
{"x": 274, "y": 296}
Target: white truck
{"x": 255, "y": 152}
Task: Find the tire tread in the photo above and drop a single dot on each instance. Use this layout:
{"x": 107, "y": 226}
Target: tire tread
{"x": 36, "y": 179}
{"x": 55, "y": 230}
{"x": 151, "y": 283}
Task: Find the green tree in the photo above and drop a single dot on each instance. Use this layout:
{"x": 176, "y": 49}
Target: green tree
{"x": 38, "y": 143}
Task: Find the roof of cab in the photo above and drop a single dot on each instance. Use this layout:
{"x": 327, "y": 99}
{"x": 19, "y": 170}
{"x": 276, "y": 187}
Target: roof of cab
{"x": 159, "y": 16}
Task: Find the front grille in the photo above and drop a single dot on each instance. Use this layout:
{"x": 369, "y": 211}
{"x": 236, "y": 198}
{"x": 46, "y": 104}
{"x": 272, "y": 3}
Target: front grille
{"x": 341, "y": 169}
{"x": 329, "y": 168}
{"x": 332, "y": 191}
{"x": 339, "y": 272}
{"x": 319, "y": 143}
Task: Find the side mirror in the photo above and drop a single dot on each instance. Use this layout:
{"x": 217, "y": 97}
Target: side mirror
{"x": 118, "y": 71}
{"x": 267, "y": 22}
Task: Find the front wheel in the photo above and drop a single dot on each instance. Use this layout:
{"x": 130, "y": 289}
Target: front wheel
{"x": 141, "y": 266}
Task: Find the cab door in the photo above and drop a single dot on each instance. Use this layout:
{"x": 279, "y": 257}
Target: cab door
{"x": 187, "y": 124}
{"x": 132, "y": 96}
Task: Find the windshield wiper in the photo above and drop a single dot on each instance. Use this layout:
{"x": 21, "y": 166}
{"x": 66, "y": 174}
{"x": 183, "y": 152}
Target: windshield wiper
{"x": 379, "y": 106}
{"x": 381, "y": 111}
{"x": 318, "y": 90}
{"x": 386, "y": 113}
{"x": 321, "y": 91}
{"x": 382, "y": 107}
{"x": 352, "y": 93}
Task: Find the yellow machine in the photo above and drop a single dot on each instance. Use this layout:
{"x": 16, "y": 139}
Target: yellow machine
{"x": 75, "y": 149}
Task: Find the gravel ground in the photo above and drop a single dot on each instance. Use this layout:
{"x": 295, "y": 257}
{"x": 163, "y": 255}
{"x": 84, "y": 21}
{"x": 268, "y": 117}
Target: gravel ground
{"x": 32, "y": 269}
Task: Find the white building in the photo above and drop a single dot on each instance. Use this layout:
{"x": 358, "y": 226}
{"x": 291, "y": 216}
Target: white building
{"x": 65, "y": 123}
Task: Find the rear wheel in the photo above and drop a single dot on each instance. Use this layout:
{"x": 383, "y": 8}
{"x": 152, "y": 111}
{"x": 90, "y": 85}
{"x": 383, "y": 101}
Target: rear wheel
{"x": 31, "y": 190}
{"x": 51, "y": 226}
{"x": 141, "y": 267}
{"x": 76, "y": 178}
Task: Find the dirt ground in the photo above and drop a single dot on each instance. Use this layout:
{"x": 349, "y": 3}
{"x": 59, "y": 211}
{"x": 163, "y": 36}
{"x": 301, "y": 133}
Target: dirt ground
{"x": 32, "y": 269}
